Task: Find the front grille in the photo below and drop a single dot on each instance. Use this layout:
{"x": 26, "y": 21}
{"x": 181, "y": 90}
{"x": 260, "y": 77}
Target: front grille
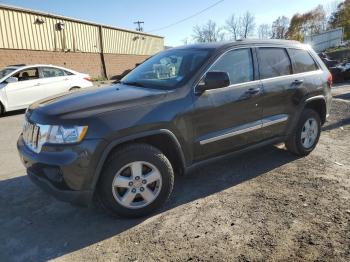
{"x": 31, "y": 134}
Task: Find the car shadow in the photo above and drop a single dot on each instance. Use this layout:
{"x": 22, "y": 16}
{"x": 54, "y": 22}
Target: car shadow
{"x": 13, "y": 113}
{"x": 35, "y": 226}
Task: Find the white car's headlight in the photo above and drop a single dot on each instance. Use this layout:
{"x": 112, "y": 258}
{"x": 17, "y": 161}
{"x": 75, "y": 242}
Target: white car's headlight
{"x": 66, "y": 135}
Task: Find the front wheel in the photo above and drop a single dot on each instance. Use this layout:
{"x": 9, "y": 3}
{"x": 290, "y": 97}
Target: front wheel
{"x": 2, "y": 109}
{"x": 136, "y": 181}
{"x": 306, "y": 135}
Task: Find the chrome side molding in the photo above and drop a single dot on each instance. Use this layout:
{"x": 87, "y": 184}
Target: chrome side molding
{"x": 263, "y": 123}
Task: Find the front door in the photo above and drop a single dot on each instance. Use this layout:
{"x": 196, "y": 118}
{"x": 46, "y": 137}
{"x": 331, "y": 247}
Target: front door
{"x": 27, "y": 90}
{"x": 229, "y": 118}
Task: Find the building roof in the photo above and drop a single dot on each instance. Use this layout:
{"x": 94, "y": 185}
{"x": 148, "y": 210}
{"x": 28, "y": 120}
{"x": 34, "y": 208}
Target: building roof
{"x": 40, "y": 13}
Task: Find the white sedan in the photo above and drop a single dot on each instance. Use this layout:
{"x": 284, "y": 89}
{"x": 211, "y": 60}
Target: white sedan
{"x": 22, "y": 85}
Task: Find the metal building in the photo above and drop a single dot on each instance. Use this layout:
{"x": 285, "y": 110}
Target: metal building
{"x": 23, "y": 29}
{"x": 326, "y": 39}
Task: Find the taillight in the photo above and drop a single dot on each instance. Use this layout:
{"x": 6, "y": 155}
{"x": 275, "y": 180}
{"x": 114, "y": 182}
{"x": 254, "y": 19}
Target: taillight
{"x": 88, "y": 78}
{"x": 330, "y": 80}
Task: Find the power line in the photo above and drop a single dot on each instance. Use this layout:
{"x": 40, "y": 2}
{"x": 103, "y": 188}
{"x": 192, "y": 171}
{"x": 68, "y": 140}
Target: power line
{"x": 187, "y": 18}
{"x": 139, "y": 27}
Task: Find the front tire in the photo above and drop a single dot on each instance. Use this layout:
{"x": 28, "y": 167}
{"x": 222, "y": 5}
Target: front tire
{"x": 306, "y": 135}
{"x": 136, "y": 181}
{"x": 2, "y": 110}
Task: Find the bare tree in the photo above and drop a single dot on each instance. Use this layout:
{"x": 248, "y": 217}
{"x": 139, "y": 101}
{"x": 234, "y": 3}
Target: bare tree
{"x": 264, "y": 31}
{"x": 185, "y": 41}
{"x": 280, "y": 27}
{"x": 247, "y": 24}
{"x": 233, "y": 26}
{"x": 208, "y": 32}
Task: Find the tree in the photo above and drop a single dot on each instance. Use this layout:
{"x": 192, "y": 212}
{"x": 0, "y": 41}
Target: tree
{"x": 247, "y": 24}
{"x": 280, "y": 27}
{"x": 264, "y": 31}
{"x": 312, "y": 22}
{"x": 208, "y": 32}
{"x": 233, "y": 26}
{"x": 341, "y": 18}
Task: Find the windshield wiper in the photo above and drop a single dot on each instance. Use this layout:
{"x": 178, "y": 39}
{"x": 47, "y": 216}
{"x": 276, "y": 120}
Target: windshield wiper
{"x": 132, "y": 84}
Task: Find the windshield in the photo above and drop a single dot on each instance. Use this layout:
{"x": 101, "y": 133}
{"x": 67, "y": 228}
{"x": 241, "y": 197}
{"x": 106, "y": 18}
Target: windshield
{"x": 168, "y": 69}
{"x": 5, "y": 71}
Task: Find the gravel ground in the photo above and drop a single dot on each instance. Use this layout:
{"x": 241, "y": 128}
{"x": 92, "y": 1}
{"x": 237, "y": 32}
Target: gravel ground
{"x": 262, "y": 205}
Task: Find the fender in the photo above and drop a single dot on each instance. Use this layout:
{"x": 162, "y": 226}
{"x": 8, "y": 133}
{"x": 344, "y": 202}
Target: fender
{"x": 319, "y": 97}
{"x": 117, "y": 142}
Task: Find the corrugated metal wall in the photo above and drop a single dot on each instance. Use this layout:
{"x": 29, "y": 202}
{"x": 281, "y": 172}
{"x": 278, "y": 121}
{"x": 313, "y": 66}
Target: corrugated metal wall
{"x": 324, "y": 40}
{"x": 19, "y": 30}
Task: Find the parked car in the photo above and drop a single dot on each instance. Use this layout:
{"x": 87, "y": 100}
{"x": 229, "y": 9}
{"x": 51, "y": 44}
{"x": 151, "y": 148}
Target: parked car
{"x": 22, "y": 85}
{"x": 340, "y": 72}
{"x": 327, "y": 60}
{"x": 123, "y": 144}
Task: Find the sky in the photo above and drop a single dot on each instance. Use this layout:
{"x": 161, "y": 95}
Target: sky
{"x": 160, "y": 13}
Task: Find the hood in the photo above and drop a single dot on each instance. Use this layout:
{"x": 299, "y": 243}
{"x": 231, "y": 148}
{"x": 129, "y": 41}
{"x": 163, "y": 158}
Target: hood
{"x": 96, "y": 100}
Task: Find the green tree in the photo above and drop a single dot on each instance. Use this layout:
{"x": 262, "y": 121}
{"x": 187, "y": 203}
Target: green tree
{"x": 341, "y": 18}
{"x": 312, "y": 22}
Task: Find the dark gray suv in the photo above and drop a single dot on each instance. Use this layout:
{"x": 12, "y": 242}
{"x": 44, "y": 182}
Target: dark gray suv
{"x": 122, "y": 144}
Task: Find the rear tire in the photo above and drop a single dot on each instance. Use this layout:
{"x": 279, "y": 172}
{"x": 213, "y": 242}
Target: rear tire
{"x": 306, "y": 134}
{"x": 125, "y": 187}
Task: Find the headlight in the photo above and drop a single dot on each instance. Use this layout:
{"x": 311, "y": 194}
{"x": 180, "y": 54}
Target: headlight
{"x": 66, "y": 135}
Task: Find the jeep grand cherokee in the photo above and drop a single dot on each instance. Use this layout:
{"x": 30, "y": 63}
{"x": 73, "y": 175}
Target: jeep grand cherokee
{"x": 122, "y": 144}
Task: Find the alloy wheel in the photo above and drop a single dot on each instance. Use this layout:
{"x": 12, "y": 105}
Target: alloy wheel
{"x": 137, "y": 184}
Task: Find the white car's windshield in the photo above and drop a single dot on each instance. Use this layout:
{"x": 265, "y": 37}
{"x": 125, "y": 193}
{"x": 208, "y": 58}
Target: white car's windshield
{"x": 5, "y": 71}
{"x": 168, "y": 69}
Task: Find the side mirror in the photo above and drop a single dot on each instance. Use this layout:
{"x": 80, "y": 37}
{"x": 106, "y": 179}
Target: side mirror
{"x": 11, "y": 79}
{"x": 213, "y": 80}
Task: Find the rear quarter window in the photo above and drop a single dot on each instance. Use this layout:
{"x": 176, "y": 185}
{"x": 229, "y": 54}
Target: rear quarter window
{"x": 273, "y": 62}
{"x": 302, "y": 61}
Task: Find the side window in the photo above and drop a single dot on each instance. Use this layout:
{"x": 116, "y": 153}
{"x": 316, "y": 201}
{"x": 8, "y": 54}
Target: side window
{"x": 302, "y": 61}
{"x": 273, "y": 62}
{"x": 27, "y": 74}
{"x": 238, "y": 64}
{"x": 52, "y": 72}
{"x": 67, "y": 73}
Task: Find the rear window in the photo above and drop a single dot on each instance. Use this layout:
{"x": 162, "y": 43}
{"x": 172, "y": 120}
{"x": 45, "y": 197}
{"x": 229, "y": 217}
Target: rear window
{"x": 52, "y": 72}
{"x": 302, "y": 61}
{"x": 273, "y": 62}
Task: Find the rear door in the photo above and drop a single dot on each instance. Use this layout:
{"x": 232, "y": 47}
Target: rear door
{"x": 54, "y": 80}
{"x": 229, "y": 118}
{"x": 275, "y": 70}
{"x": 27, "y": 90}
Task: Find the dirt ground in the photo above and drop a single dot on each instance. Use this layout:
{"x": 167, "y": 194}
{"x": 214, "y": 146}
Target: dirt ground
{"x": 265, "y": 205}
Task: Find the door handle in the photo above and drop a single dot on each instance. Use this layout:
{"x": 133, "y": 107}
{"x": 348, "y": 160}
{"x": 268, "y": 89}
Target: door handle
{"x": 298, "y": 82}
{"x": 38, "y": 84}
{"x": 253, "y": 91}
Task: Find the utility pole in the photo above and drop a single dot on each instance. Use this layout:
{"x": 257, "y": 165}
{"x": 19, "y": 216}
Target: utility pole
{"x": 139, "y": 27}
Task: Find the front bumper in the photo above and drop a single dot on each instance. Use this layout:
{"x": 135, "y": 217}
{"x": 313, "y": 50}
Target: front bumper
{"x": 66, "y": 171}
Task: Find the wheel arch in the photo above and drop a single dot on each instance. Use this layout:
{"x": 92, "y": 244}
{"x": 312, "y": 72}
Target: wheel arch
{"x": 2, "y": 107}
{"x": 74, "y": 87}
{"x": 318, "y": 104}
{"x": 157, "y": 138}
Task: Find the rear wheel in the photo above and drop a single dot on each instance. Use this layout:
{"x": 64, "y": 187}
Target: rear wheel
{"x": 136, "y": 181}
{"x": 306, "y": 134}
